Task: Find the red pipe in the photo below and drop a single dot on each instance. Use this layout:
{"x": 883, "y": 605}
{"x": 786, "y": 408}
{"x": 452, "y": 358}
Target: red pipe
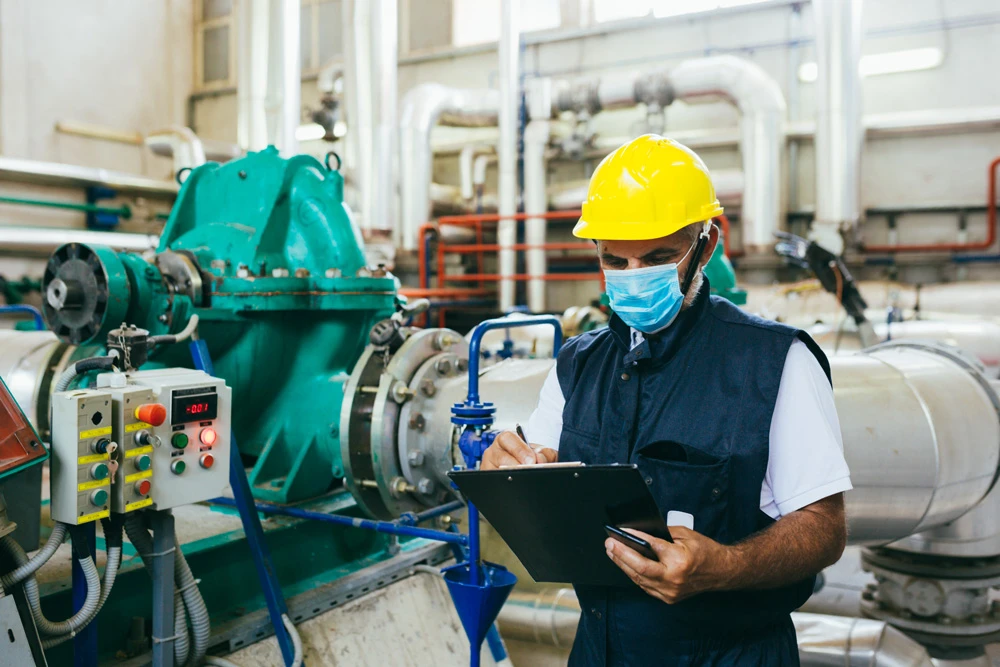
{"x": 991, "y": 226}
{"x": 493, "y": 217}
{"x": 724, "y": 223}
{"x": 422, "y": 252}
{"x": 523, "y": 276}
{"x": 417, "y": 293}
{"x": 479, "y": 247}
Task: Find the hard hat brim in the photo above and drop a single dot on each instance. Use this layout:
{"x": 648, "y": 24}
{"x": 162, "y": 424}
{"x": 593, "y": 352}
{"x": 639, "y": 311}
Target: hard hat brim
{"x": 623, "y": 230}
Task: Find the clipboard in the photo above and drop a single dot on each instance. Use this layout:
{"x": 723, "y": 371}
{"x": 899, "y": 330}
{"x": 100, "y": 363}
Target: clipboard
{"x": 553, "y": 516}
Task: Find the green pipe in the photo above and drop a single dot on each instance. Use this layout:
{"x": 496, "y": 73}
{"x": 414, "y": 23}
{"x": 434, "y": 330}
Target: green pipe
{"x": 124, "y": 212}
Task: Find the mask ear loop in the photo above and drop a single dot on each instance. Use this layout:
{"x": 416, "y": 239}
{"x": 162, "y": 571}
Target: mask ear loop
{"x": 699, "y": 249}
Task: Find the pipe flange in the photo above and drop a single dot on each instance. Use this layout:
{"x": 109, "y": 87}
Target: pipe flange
{"x": 181, "y": 270}
{"x": 934, "y": 567}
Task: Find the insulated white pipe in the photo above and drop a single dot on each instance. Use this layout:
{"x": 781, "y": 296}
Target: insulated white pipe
{"x": 371, "y": 96}
{"x": 762, "y": 140}
{"x": 536, "y": 141}
{"x": 43, "y": 240}
{"x": 422, "y": 109}
{"x": 839, "y": 126}
{"x": 269, "y": 75}
{"x": 508, "y": 49}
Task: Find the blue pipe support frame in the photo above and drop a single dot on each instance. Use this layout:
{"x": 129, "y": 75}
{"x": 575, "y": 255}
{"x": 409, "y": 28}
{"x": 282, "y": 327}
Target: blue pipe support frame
{"x": 276, "y": 605}
{"x": 85, "y": 641}
{"x": 30, "y": 310}
{"x": 411, "y": 519}
{"x": 476, "y": 418}
{"x": 387, "y": 527}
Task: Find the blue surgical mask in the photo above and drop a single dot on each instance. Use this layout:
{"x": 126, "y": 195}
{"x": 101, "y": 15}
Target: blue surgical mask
{"x": 647, "y": 299}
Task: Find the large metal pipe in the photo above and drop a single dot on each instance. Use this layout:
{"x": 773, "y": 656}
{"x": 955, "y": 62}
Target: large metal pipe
{"x": 509, "y": 53}
{"x": 551, "y": 617}
{"x": 422, "y": 109}
{"x": 371, "y": 95}
{"x": 921, "y": 436}
{"x": 269, "y": 75}
{"x": 839, "y": 128}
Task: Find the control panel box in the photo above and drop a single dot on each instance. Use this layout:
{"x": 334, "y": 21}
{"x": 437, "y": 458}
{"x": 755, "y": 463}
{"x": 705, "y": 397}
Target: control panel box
{"x": 81, "y": 470}
{"x": 183, "y": 425}
{"x": 133, "y": 409}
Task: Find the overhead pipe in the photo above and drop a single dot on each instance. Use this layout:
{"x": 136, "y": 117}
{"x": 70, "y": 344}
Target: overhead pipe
{"x": 180, "y": 143}
{"x": 839, "y": 125}
{"x": 41, "y": 241}
{"x": 745, "y": 85}
{"x": 536, "y": 141}
{"x": 371, "y": 96}
{"x": 509, "y": 54}
{"x": 424, "y": 107}
{"x": 269, "y": 77}
{"x": 551, "y": 616}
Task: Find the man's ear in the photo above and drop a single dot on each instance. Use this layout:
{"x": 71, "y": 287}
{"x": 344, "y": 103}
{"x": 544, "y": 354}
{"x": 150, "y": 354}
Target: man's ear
{"x": 713, "y": 240}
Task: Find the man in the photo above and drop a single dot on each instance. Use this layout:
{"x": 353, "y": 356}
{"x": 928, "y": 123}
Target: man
{"x": 729, "y": 417}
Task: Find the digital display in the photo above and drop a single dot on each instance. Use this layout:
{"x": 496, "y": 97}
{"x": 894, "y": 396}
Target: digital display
{"x": 195, "y": 408}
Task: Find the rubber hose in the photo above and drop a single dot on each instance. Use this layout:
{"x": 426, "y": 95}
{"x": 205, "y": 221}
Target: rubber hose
{"x": 82, "y": 366}
{"x": 219, "y": 662}
{"x": 19, "y": 574}
{"x": 197, "y": 612}
{"x": 293, "y": 632}
{"x": 110, "y": 573}
{"x": 143, "y": 543}
{"x": 201, "y": 626}
{"x": 80, "y": 618}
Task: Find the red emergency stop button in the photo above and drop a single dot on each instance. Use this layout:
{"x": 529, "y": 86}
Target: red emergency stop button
{"x": 207, "y": 461}
{"x": 151, "y": 413}
{"x": 142, "y": 487}
{"x": 208, "y": 436}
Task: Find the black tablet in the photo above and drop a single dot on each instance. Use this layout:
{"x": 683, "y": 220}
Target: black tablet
{"x": 553, "y": 516}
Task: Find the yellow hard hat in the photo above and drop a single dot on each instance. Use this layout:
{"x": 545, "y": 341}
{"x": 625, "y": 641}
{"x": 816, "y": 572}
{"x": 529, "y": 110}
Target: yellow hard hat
{"x": 648, "y": 188}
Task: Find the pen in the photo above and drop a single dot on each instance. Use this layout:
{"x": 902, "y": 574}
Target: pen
{"x": 520, "y": 432}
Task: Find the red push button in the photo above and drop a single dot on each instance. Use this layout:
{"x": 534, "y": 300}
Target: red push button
{"x": 206, "y": 461}
{"x": 151, "y": 413}
{"x": 208, "y": 436}
{"x": 142, "y": 487}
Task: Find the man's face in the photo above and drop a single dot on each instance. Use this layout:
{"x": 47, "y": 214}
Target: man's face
{"x": 618, "y": 255}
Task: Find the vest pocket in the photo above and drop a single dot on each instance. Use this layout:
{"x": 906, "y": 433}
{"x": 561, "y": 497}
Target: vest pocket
{"x": 579, "y": 445}
{"x": 698, "y": 485}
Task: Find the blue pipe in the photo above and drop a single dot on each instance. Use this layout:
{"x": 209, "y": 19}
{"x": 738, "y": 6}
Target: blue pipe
{"x": 351, "y": 522}
{"x": 31, "y": 310}
{"x": 410, "y": 519}
{"x": 477, "y": 338}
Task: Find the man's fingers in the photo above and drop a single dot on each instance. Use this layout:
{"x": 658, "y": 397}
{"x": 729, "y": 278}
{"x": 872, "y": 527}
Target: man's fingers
{"x": 660, "y": 546}
{"x": 615, "y": 556}
{"x": 546, "y": 455}
{"x": 518, "y": 449}
{"x": 621, "y": 553}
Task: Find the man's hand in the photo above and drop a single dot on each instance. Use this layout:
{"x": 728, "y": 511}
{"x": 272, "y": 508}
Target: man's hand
{"x": 796, "y": 546}
{"x": 510, "y": 450}
{"x": 691, "y": 564}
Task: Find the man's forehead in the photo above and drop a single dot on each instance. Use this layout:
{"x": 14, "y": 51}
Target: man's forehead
{"x": 674, "y": 242}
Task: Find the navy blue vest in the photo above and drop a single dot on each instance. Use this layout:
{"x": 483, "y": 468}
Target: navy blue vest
{"x": 692, "y": 408}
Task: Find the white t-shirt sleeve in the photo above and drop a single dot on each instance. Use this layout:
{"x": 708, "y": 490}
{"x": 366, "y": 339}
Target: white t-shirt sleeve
{"x": 545, "y": 424}
{"x": 806, "y": 462}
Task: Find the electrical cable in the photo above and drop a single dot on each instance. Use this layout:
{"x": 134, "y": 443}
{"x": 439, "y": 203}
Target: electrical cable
{"x": 82, "y": 366}
{"x": 186, "y": 588}
{"x": 178, "y": 337}
{"x": 293, "y": 633}
{"x": 219, "y": 662}
{"x": 19, "y": 574}
{"x": 86, "y": 612}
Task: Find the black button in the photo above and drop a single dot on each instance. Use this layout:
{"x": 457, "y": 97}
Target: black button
{"x": 716, "y": 491}
{"x": 649, "y": 481}
{"x": 625, "y": 377}
{"x": 596, "y": 613}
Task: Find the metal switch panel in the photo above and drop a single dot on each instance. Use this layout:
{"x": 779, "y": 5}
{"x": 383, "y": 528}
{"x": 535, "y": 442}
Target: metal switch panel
{"x": 132, "y": 484}
{"x": 81, "y": 470}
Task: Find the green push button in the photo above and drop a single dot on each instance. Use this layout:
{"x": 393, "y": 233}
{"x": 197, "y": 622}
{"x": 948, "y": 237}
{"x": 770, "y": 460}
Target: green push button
{"x": 178, "y": 467}
{"x": 143, "y": 462}
{"x": 99, "y": 471}
{"x": 179, "y": 440}
{"x": 99, "y": 497}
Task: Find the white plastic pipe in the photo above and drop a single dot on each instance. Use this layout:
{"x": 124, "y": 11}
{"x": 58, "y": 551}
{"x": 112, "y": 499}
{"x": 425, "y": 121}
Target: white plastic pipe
{"x": 536, "y": 139}
{"x": 269, "y": 75}
{"x": 371, "y": 98}
{"x": 762, "y": 140}
{"x": 839, "y": 126}
{"x": 508, "y": 49}
{"x": 422, "y": 109}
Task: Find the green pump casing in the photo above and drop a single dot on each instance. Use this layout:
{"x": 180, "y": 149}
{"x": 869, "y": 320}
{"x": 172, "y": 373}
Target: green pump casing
{"x": 266, "y": 253}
